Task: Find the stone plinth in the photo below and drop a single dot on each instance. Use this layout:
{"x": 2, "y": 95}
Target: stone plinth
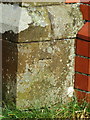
{"x": 38, "y": 53}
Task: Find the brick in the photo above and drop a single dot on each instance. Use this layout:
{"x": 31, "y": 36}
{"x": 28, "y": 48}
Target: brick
{"x": 72, "y": 1}
{"x": 82, "y": 96}
{"x": 88, "y": 97}
{"x": 82, "y": 65}
{"x": 82, "y": 82}
{"x": 85, "y": 1}
{"x": 85, "y": 9}
{"x": 82, "y": 48}
{"x": 84, "y": 32}
{"x": 77, "y": 1}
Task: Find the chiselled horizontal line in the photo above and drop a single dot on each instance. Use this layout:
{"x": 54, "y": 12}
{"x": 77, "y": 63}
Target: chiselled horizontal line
{"x": 52, "y": 40}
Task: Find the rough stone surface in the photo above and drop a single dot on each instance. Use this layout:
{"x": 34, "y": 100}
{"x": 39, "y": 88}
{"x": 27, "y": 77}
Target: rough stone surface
{"x": 13, "y": 17}
{"x": 29, "y": 24}
{"x": 41, "y": 23}
{"x": 37, "y": 74}
{"x": 38, "y": 67}
{"x": 9, "y": 72}
{"x": 27, "y": 4}
{"x": 40, "y": 30}
{"x": 66, "y": 20}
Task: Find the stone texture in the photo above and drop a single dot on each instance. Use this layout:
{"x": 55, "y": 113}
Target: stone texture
{"x": 27, "y": 4}
{"x": 47, "y": 23}
{"x": 40, "y": 29}
{"x": 37, "y": 74}
{"x": 29, "y": 24}
{"x": 9, "y": 72}
{"x": 17, "y": 20}
{"x": 38, "y": 70}
{"x": 66, "y": 20}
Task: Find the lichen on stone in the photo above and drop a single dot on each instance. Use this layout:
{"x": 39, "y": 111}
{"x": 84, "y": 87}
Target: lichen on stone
{"x": 38, "y": 16}
{"x": 13, "y": 17}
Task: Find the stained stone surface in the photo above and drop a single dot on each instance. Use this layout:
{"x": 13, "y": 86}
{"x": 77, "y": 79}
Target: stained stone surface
{"x": 38, "y": 67}
{"x": 40, "y": 23}
{"x": 29, "y": 24}
{"x": 40, "y": 29}
{"x": 27, "y": 4}
{"x": 66, "y": 20}
{"x": 37, "y": 74}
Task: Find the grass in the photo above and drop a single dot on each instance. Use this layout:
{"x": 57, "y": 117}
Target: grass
{"x": 69, "y": 110}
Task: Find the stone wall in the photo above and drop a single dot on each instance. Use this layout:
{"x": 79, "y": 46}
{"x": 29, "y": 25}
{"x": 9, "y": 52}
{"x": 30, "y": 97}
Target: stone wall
{"x": 38, "y": 52}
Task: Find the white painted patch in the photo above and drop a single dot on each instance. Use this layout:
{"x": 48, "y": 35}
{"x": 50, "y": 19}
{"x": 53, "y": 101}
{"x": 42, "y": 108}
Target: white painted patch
{"x": 70, "y": 91}
{"x": 13, "y": 17}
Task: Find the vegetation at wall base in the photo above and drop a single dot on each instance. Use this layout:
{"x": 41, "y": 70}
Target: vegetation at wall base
{"x": 68, "y": 110}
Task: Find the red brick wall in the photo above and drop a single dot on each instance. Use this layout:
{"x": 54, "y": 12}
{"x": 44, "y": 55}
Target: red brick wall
{"x": 82, "y": 60}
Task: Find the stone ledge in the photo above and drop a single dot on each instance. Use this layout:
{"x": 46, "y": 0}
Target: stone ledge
{"x": 40, "y": 4}
{"x": 41, "y": 23}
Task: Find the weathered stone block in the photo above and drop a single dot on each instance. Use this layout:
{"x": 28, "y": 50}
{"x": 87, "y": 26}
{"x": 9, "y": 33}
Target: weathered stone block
{"x": 39, "y": 4}
{"x": 40, "y": 29}
{"x": 29, "y": 24}
{"x": 66, "y": 20}
{"x": 37, "y": 74}
{"x": 40, "y": 23}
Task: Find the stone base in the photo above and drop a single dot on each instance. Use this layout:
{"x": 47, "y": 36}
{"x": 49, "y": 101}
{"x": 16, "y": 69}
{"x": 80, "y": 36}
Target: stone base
{"x": 37, "y": 74}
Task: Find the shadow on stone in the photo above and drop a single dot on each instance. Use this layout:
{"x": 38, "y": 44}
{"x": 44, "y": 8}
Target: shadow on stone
{"x": 9, "y": 65}
{"x": 10, "y": 14}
